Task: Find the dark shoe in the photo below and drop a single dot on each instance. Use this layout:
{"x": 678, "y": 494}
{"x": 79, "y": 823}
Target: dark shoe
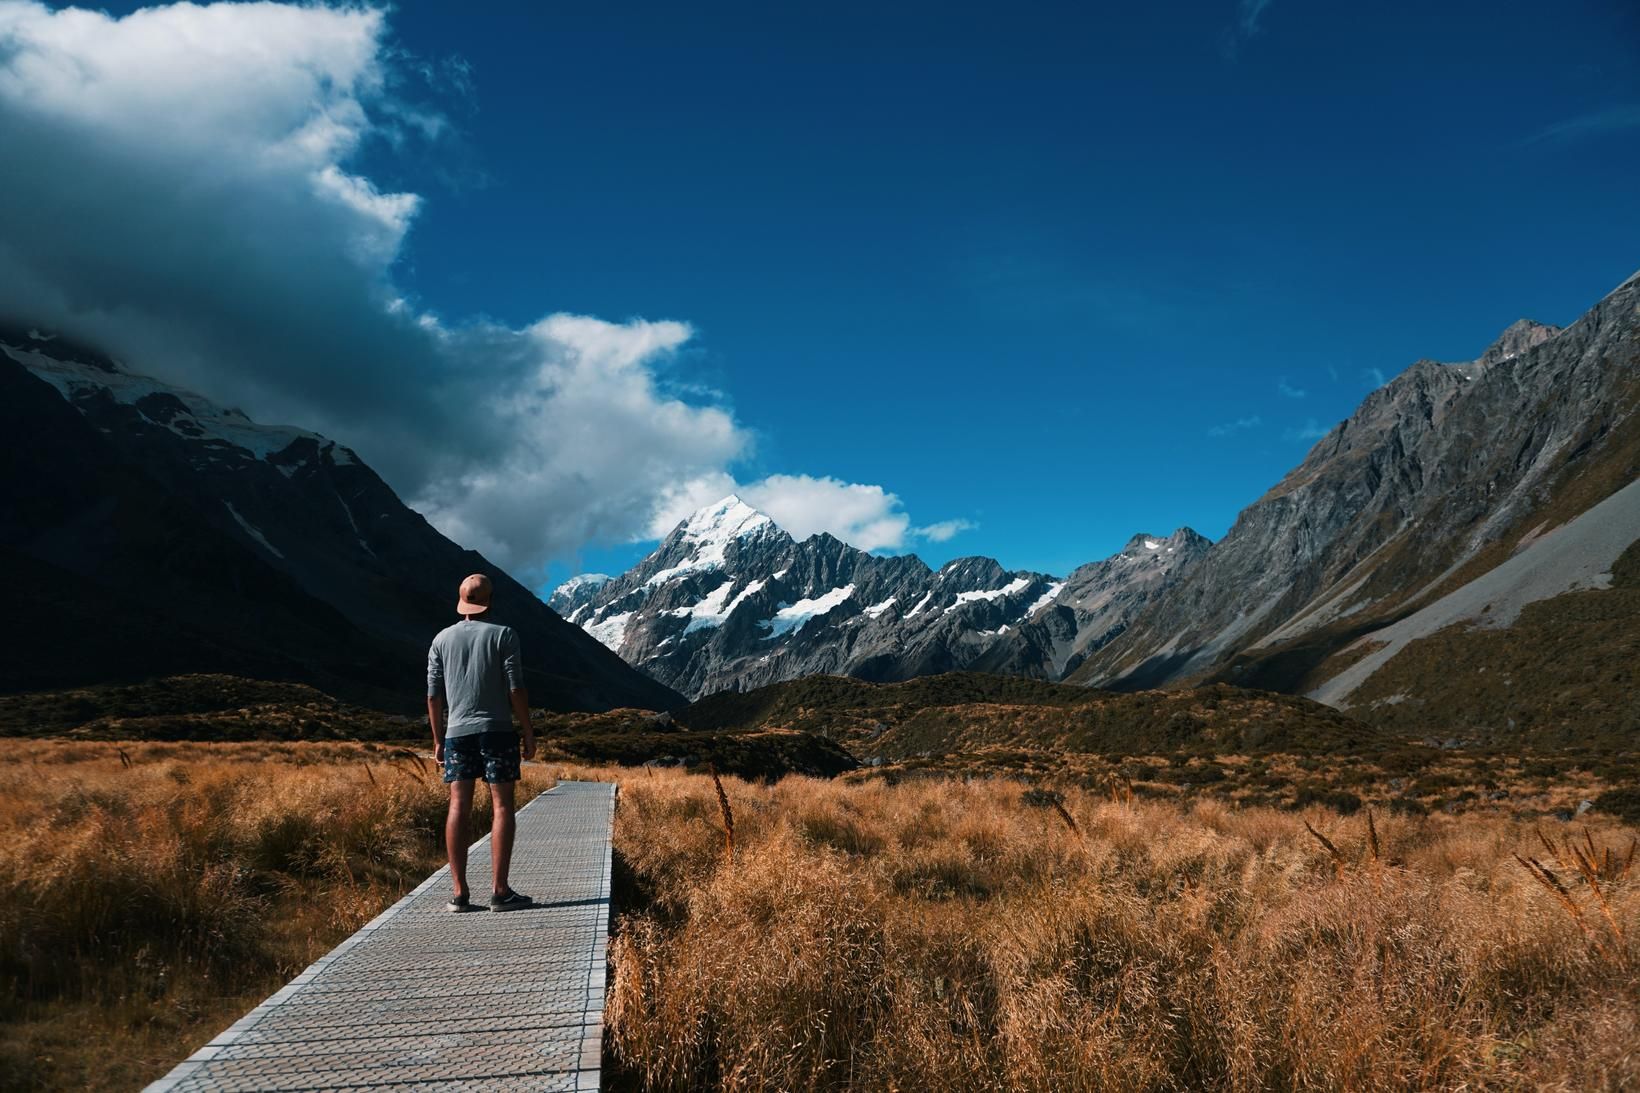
{"x": 459, "y": 904}
{"x": 509, "y": 901}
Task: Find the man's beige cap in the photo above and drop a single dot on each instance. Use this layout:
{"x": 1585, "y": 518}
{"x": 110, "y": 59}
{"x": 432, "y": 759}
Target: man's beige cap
{"x": 475, "y": 595}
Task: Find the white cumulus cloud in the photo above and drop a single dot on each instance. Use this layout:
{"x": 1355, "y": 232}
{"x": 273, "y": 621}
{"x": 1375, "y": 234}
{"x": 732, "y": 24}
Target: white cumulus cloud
{"x": 592, "y": 444}
{"x": 868, "y": 517}
{"x": 865, "y": 516}
{"x": 179, "y": 186}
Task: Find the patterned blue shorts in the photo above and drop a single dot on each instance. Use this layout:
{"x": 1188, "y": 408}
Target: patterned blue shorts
{"x": 491, "y": 755}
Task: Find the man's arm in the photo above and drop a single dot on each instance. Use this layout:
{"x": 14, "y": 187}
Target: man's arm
{"x": 435, "y": 717}
{"x": 521, "y": 710}
{"x": 436, "y": 710}
{"x": 512, "y": 662}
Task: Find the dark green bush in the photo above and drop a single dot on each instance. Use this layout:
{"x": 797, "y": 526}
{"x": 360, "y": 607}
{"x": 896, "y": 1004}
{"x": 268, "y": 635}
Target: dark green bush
{"x": 1346, "y": 804}
{"x": 1623, "y": 803}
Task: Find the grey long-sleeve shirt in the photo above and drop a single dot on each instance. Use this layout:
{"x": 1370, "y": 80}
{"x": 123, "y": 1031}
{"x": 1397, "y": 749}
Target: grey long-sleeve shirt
{"x": 473, "y": 665}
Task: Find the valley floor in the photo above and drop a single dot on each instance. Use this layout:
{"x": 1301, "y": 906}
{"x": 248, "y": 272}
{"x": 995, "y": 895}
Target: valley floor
{"x": 935, "y": 933}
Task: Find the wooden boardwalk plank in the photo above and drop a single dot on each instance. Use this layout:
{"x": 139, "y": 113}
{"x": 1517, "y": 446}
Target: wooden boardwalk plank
{"x": 423, "y": 997}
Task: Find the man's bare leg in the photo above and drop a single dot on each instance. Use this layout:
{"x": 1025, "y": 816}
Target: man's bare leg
{"x": 502, "y": 825}
{"x": 456, "y": 837}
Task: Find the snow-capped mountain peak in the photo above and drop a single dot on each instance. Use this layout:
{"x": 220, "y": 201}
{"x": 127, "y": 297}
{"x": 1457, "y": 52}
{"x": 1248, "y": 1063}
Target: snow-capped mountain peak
{"x": 581, "y": 580}
{"x": 727, "y": 519}
{"x": 729, "y": 600}
{"x": 706, "y": 539}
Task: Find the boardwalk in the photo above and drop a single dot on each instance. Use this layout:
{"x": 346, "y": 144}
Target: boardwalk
{"x": 449, "y": 1001}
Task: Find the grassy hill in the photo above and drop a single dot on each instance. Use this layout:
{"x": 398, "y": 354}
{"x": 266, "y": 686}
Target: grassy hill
{"x": 1565, "y": 676}
{"x": 962, "y": 711}
{"x": 1249, "y": 748}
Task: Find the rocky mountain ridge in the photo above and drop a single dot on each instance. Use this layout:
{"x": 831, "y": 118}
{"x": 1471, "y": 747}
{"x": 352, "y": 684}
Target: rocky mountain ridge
{"x": 730, "y": 601}
{"x": 1438, "y": 477}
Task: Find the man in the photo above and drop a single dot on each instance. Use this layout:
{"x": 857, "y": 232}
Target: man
{"x": 475, "y": 686}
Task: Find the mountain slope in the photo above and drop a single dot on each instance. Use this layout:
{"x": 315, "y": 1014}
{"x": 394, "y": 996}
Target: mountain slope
{"x": 1562, "y": 675}
{"x": 1438, "y": 478}
{"x": 729, "y": 601}
{"x": 1094, "y": 606}
{"x": 163, "y": 535}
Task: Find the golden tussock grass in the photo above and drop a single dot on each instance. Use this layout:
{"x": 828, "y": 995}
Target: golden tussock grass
{"x": 151, "y": 893}
{"x": 951, "y": 935}
{"x": 936, "y": 934}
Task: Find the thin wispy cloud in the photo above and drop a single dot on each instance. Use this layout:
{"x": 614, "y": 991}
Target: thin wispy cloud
{"x": 1591, "y": 126}
{"x": 1235, "y": 426}
{"x": 1310, "y": 430}
{"x": 1374, "y": 376}
{"x": 944, "y": 531}
{"x": 1287, "y": 390}
{"x": 1246, "y": 27}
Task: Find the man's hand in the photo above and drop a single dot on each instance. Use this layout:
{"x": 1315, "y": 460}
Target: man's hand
{"x": 521, "y": 710}
{"x": 435, "y": 721}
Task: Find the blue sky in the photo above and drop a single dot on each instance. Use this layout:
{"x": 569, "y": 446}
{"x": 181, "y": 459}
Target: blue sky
{"x": 1066, "y": 272}
{"x": 1016, "y": 264}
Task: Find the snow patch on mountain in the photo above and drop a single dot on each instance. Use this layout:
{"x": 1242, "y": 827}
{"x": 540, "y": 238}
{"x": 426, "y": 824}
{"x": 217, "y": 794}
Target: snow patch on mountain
{"x": 877, "y": 609}
{"x": 253, "y": 531}
{"x": 711, "y": 610}
{"x": 1012, "y": 588}
{"x": 611, "y": 631}
{"x": 795, "y": 616}
{"x": 1045, "y": 599}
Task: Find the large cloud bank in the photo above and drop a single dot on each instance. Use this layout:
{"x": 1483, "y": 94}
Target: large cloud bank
{"x": 177, "y": 187}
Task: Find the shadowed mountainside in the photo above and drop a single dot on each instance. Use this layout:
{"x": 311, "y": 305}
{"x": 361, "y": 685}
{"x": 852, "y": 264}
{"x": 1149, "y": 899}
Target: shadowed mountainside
{"x": 158, "y": 534}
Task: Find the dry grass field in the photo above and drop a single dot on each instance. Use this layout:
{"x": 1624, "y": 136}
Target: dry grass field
{"x": 151, "y": 893}
{"x": 952, "y": 935}
{"x": 940, "y": 933}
